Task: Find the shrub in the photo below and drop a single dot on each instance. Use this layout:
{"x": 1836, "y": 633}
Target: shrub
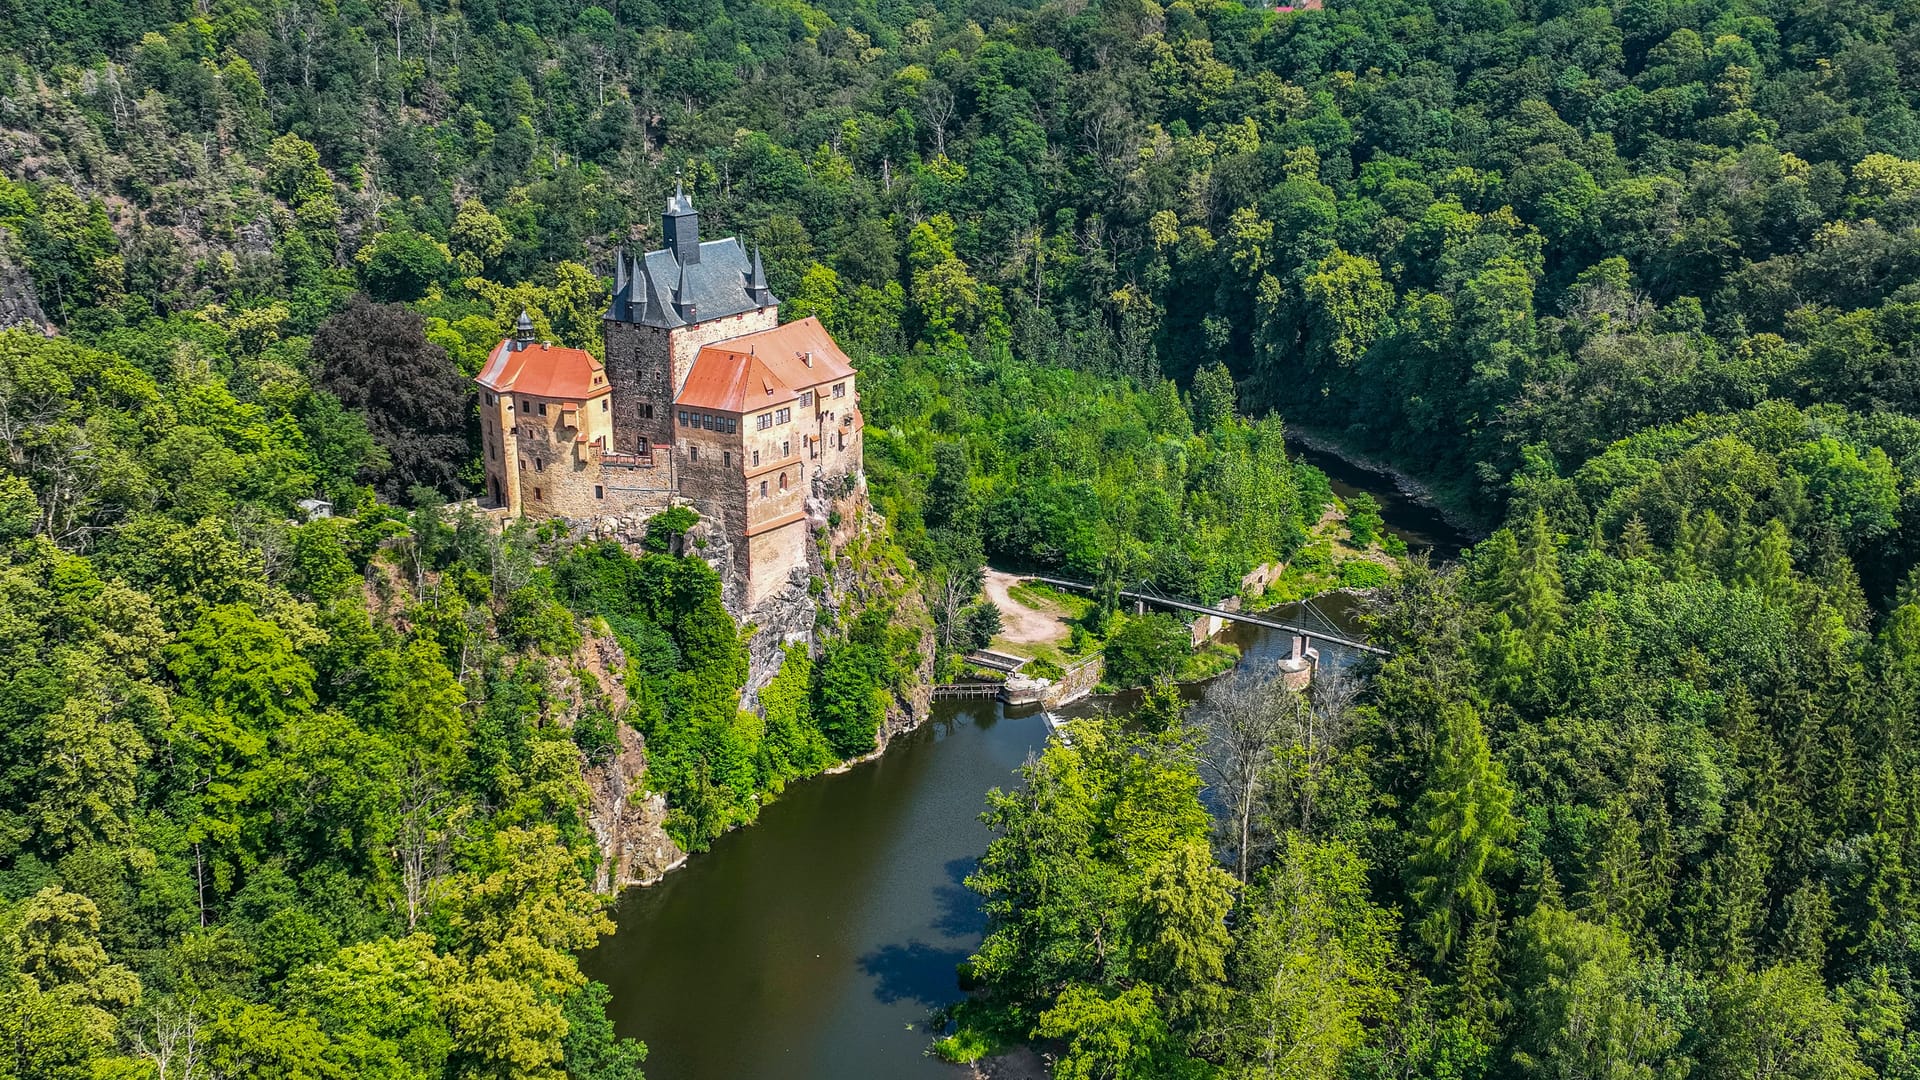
{"x": 668, "y": 525}
{"x": 1361, "y": 574}
{"x": 1145, "y": 648}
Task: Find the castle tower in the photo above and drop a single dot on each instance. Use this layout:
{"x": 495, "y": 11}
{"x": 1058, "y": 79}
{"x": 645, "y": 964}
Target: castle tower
{"x": 665, "y": 305}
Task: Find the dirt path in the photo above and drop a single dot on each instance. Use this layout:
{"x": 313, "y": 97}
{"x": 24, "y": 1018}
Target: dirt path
{"x": 1020, "y": 624}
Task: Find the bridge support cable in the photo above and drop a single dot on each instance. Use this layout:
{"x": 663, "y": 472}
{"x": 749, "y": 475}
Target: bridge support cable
{"x": 1230, "y": 616}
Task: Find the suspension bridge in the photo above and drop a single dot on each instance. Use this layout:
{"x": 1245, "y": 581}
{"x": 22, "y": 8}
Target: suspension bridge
{"x": 1177, "y": 604}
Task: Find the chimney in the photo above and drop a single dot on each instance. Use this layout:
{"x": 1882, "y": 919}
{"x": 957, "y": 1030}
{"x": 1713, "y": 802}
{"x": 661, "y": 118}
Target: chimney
{"x": 681, "y": 226}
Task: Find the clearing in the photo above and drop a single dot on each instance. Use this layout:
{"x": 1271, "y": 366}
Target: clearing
{"x": 1032, "y": 619}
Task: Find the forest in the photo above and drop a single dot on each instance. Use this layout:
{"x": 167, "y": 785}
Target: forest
{"x": 1636, "y": 283}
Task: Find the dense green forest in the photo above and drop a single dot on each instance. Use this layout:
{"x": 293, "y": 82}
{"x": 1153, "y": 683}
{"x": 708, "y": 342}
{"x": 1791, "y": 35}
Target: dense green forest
{"x": 280, "y": 799}
{"x": 1635, "y": 796}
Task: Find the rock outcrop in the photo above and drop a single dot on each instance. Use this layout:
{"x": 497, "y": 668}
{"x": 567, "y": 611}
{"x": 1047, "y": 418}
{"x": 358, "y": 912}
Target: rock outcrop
{"x": 19, "y": 303}
{"x": 628, "y": 822}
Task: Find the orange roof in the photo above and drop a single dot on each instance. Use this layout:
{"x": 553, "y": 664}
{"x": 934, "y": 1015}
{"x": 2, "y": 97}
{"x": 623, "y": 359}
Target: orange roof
{"x": 723, "y": 382}
{"x": 770, "y": 367}
{"x": 542, "y": 370}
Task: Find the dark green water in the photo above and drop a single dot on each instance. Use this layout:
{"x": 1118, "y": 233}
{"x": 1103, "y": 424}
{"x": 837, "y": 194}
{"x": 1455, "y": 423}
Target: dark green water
{"x": 813, "y": 944}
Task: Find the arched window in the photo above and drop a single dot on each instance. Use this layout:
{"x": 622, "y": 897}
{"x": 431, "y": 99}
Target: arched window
{"x": 783, "y": 481}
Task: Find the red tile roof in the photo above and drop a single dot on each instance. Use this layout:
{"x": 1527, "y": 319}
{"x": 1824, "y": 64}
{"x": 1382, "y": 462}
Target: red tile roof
{"x": 546, "y": 371}
{"x": 771, "y": 367}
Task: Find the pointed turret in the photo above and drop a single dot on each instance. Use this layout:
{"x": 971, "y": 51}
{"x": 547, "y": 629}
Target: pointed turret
{"x": 636, "y": 288}
{"x": 683, "y": 301}
{"x": 653, "y": 311}
{"x": 757, "y": 281}
{"x": 618, "y": 309}
{"x": 523, "y": 330}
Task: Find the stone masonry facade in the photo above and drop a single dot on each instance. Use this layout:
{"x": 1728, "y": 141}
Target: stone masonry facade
{"x": 704, "y": 399}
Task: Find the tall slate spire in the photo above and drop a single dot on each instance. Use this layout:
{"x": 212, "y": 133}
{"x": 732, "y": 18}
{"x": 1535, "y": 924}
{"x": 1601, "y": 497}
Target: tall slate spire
{"x": 683, "y": 301}
{"x": 757, "y": 281}
{"x": 654, "y": 311}
{"x": 680, "y": 225}
{"x": 618, "y": 309}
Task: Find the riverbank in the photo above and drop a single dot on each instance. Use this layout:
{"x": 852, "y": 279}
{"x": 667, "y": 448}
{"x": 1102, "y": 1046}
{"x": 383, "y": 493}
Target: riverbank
{"x": 1451, "y": 509}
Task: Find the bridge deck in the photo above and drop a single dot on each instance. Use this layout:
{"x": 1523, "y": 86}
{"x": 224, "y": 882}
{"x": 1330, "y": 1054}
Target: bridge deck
{"x": 1231, "y": 616}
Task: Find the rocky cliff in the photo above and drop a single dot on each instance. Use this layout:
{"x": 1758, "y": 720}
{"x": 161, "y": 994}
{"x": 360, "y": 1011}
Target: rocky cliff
{"x": 19, "y": 303}
{"x": 628, "y": 822}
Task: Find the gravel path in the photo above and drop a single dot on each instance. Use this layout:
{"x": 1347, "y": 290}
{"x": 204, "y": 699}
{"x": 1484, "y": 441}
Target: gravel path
{"x": 1020, "y": 624}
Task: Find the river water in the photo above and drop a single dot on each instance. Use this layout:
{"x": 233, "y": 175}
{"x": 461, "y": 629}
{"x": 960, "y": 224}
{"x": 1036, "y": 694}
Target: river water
{"x": 813, "y": 945}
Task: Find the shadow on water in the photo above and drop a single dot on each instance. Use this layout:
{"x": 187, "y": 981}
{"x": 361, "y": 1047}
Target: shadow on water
{"x": 958, "y": 906}
{"x": 916, "y": 972}
{"x": 1422, "y": 526}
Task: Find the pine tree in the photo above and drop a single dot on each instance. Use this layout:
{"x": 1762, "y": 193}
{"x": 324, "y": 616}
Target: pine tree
{"x": 1636, "y": 540}
{"x": 1765, "y": 562}
{"x": 1462, "y": 825}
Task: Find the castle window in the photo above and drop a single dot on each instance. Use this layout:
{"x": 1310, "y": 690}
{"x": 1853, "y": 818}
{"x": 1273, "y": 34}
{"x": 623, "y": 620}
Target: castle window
{"x": 756, "y": 457}
{"x": 523, "y": 464}
{"x": 786, "y": 448}
{"x": 646, "y": 411}
{"x": 726, "y": 458}
{"x": 539, "y": 466}
{"x": 683, "y": 418}
{"x": 599, "y": 492}
{"x": 784, "y": 416}
{"x": 840, "y": 389}
{"x": 492, "y": 400}
{"x": 763, "y": 421}
{"x": 706, "y": 421}
{"x": 806, "y": 398}
{"x": 605, "y": 403}
{"x": 733, "y": 424}
{"x": 693, "y": 453}
{"x": 783, "y": 481}
{"x": 543, "y": 408}
{"x": 537, "y": 496}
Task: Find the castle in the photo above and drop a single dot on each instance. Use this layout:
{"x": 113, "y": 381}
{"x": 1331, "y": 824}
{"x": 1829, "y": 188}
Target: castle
{"x": 704, "y": 398}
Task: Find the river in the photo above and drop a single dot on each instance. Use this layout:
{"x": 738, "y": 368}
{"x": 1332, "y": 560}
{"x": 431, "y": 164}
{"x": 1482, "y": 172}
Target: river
{"x": 812, "y": 945}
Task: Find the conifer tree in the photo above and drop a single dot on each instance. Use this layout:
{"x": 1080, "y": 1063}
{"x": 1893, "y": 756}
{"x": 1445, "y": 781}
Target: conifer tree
{"x": 1462, "y": 825}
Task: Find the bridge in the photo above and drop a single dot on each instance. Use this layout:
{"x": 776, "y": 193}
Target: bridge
{"x": 1202, "y": 609}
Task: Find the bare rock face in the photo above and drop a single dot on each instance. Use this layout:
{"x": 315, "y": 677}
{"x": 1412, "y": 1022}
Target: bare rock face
{"x": 785, "y": 618}
{"x": 19, "y": 303}
{"x": 628, "y": 822}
